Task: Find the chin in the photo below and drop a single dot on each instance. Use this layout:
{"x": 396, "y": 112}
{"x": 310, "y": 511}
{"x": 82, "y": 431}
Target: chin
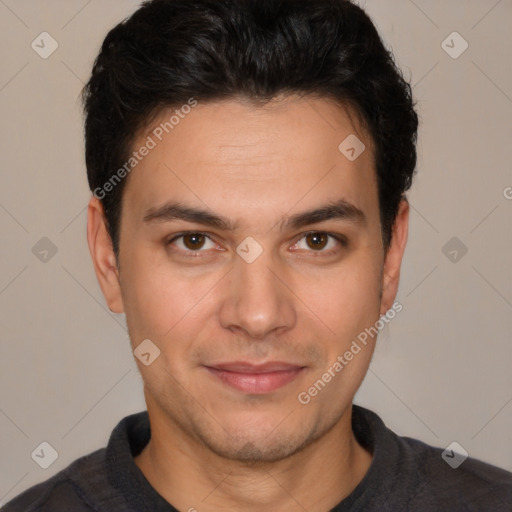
{"x": 252, "y": 453}
{"x": 260, "y": 445}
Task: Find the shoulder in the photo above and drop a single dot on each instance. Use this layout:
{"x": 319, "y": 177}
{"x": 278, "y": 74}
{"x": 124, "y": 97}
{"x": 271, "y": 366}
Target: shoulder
{"x": 409, "y": 474}
{"x": 63, "y": 491}
{"x": 455, "y": 482}
{"x": 91, "y": 482}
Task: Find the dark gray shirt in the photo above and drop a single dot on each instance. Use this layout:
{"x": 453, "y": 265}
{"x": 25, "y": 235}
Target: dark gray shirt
{"x": 405, "y": 475}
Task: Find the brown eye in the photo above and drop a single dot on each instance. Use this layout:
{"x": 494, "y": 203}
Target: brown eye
{"x": 321, "y": 243}
{"x": 317, "y": 241}
{"x": 194, "y": 241}
{"x": 190, "y": 243}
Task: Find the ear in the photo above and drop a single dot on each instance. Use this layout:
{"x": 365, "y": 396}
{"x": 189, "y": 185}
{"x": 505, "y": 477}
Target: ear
{"x": 393, "y": 258}
{"x": 103, "y": 257}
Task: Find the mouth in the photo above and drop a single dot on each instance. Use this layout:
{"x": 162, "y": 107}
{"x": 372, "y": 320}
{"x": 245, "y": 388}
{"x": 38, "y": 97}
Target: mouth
{"x": 256, "y": 379}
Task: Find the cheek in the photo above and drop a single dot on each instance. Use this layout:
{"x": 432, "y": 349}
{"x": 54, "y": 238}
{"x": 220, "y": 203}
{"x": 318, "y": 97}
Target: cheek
{"x": 146, "y": 294}
{"x": 161, "y": 302}
{"x": 163, "y": 308}
{"x": 350, "y": 298}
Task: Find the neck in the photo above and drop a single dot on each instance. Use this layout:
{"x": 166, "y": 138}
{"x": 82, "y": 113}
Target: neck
{"x": 189, "y": 476}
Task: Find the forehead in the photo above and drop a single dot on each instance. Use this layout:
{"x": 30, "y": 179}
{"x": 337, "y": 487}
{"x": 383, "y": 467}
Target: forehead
{"x": 233, "y": 156}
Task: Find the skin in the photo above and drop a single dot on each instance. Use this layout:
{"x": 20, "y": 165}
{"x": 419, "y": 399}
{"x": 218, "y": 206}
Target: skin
{"x": 214, "y": 447}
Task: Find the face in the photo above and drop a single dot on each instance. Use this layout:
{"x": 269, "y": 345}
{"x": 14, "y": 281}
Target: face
{"x": 251, "y": 256}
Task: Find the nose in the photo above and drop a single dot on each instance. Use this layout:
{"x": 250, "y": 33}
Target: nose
{"x": 257, "y": 299}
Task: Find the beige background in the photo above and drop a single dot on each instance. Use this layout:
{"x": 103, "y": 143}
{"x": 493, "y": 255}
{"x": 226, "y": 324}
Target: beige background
{"x": 442, "y": 368}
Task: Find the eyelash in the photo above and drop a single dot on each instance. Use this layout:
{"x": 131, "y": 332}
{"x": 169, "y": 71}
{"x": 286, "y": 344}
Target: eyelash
{"x": 342, "y": 241}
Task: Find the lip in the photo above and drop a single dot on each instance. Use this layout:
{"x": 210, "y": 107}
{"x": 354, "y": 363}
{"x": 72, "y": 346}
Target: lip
{"x": 256, "y": 378}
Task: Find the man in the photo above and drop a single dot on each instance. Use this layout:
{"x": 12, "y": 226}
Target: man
{"x": 249, "y": 161}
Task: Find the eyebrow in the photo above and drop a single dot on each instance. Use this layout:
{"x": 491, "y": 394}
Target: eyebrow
{"x": 337, "y": 210}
